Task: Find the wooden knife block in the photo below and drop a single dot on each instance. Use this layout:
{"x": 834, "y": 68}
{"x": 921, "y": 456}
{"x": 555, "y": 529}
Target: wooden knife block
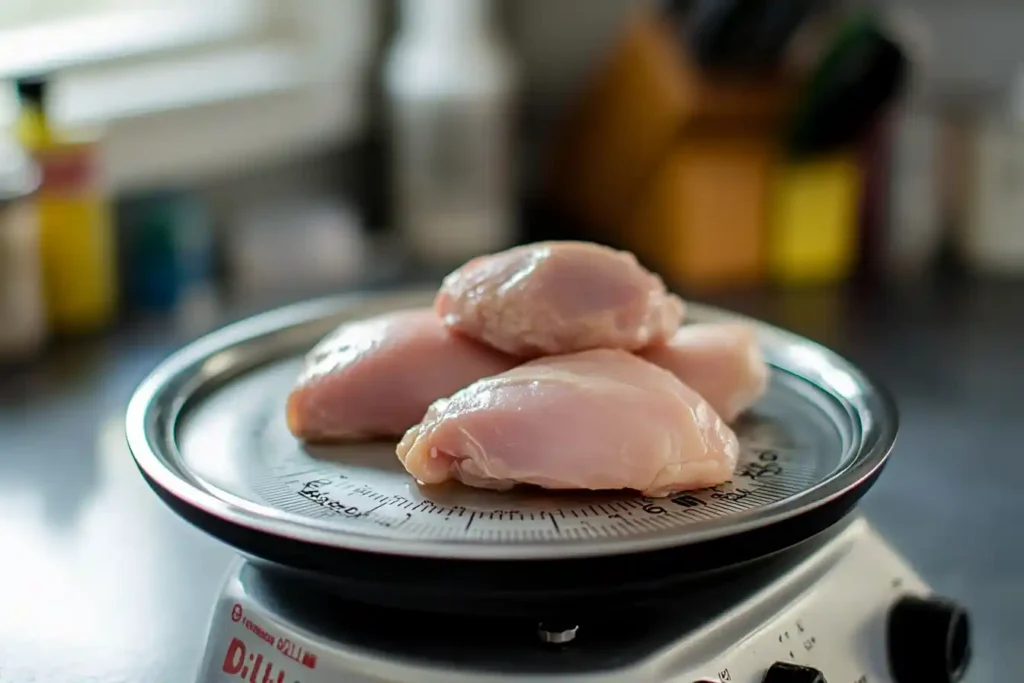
{"x": 672, "y": 163}
{"x": 703, "y": 219}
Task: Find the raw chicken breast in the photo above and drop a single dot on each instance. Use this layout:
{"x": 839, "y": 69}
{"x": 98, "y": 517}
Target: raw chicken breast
{"x": 720, "y": 361}
{"x": 601, "y": 419}
{"x": 377, "y": 377}
{"x": 558, "y": 297}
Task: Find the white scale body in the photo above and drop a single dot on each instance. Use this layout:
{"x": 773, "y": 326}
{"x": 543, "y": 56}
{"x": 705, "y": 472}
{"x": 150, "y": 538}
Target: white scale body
{"x": 829, "y": 613}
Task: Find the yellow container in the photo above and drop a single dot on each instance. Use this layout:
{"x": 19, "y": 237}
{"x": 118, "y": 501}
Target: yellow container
{"x": 813, "y": 233}
{"x": 77, "y": 245}
{"x": 77, "y": 242}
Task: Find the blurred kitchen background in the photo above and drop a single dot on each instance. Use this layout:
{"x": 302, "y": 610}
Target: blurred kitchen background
{"x": 204, "y": 157}
{"x": 853, "y": 171}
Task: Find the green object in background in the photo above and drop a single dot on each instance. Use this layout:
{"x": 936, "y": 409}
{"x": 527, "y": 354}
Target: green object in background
{"x": 167, "y": 249}
{"x": 860, "y": 74}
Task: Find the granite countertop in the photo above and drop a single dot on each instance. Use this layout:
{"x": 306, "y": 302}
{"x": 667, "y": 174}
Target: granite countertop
{"x": 102, "y": 583}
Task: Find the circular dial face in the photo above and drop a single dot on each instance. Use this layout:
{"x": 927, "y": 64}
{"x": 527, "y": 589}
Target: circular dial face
{"x": 208, "y": 428}
{"x": 235, "y": 442}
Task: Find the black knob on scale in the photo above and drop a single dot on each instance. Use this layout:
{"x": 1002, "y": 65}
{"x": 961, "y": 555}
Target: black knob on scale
{"x": 929, "y": 640}
{"x": 783, "y": 672}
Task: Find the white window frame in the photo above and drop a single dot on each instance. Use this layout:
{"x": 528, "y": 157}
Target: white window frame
{"x": 201, "y": 94}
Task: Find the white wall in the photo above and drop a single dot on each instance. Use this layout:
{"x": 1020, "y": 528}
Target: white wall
{"x": 973, "y": 46}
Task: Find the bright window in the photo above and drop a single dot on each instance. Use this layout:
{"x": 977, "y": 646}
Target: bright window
{"x": 46, "y": 35}
{"x": 188, "y": 87}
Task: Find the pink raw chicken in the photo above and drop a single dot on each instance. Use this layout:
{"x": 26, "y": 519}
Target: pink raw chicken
{"x": 559, "y": 297}
{"x": 602, "y": 419}
{"x": 377, "y": 377}
{"x": 720, "y": 361}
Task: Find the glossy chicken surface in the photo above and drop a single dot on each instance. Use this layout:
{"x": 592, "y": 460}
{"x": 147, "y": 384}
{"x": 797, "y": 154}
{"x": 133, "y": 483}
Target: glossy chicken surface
{"x": 558, "y": 297}
{"x": 720, "y": 361}
{"x": 377, "y": 377}
{"x": 600, "y": 419}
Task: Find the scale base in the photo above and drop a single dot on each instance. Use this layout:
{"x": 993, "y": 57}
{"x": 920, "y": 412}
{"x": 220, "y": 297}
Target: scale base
{"x": 829, "y": 611}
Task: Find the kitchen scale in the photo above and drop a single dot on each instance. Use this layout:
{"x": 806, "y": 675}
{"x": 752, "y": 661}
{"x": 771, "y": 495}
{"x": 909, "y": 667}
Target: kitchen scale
{"x": 352, "y": 572}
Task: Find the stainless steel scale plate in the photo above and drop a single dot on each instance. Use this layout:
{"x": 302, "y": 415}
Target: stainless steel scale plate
{"x": 790, "y": 446}
{"x": 822, "y": 429}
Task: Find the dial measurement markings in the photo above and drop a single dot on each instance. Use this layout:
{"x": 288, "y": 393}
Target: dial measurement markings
{"x": 764, "y": 476}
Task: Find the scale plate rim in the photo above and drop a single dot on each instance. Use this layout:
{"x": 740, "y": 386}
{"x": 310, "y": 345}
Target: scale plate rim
{"x": 159, "y": 400}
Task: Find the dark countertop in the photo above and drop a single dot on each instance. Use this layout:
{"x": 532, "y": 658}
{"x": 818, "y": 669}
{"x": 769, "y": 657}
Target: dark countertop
{"x": 102, "y": 583}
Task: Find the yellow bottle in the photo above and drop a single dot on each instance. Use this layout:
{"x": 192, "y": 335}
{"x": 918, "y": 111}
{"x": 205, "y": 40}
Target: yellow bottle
{"x": 75, "y": 221}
